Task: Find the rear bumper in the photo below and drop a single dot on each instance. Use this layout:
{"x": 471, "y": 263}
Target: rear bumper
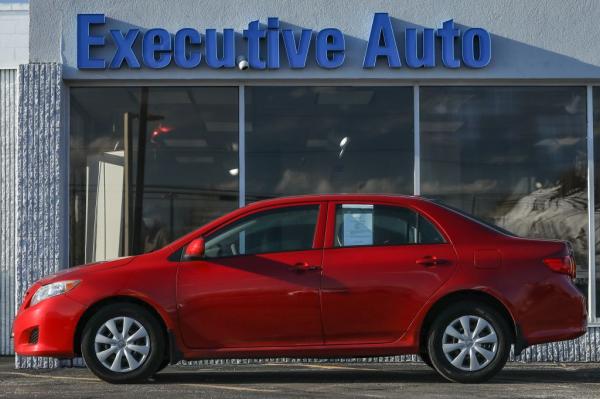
{"x": 53, "y": 321}
{"x": 564, "y": 317}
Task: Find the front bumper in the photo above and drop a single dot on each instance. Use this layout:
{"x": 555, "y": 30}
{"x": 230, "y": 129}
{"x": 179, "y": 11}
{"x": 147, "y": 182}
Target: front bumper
{"x": 48, "y": 328}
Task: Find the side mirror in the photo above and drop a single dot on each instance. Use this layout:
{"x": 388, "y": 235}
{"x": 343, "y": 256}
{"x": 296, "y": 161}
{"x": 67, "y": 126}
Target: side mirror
{"x": 194, "y": 250}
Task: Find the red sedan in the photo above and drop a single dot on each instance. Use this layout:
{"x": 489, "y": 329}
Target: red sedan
{"x": 314, "y": 276}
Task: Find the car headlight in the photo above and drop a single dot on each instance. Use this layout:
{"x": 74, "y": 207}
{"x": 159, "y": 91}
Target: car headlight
{"x": 52, "y": 289}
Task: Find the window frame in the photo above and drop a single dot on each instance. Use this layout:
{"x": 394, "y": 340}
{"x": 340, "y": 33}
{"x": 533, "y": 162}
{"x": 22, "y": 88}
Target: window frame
{"x": 331, "y": 222}
{"x": 318, "y": 235}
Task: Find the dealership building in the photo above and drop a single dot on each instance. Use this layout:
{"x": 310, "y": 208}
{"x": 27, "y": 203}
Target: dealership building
{"x": 126, "y": 124}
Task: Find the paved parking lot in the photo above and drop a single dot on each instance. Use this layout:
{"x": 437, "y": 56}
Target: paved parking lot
{"x": 321, "y": 380}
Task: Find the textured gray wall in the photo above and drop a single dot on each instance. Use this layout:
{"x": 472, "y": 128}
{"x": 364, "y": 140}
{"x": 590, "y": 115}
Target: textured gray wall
{"x": 544, "y": 39}
{"x": 583, "y": 349}
{"x": 41, "y": 163}
{"x": 8, "y": 179}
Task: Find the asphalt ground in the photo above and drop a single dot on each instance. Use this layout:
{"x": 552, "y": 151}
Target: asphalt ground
{"x": 305, "y": 380}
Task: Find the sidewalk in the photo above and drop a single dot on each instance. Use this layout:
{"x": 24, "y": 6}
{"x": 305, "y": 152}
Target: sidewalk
{"x": 349, "y": 380}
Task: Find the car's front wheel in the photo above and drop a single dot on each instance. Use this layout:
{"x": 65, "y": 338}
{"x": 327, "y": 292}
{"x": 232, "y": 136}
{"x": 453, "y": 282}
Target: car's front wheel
{"x": 123, "y": 343}
{"x": 469, "y": 342}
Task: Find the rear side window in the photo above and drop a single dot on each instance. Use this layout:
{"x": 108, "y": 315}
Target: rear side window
{"x": 359, "y": 225}
{"x": 277, "y": 230}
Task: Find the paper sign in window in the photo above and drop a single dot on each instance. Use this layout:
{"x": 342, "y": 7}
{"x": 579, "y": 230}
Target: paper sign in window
{"x": 358, "y": 224}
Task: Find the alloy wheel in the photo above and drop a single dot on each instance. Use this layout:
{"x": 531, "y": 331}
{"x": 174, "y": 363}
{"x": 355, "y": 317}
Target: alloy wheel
{"x": 470, "y": 343}
{"x": 122, "y": 344}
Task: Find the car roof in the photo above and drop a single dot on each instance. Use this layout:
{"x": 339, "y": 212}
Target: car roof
{"x": 331, "y": 197}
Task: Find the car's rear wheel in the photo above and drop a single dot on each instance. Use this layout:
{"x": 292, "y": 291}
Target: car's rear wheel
{"x": 469, "y": 342}
{"x": 123, "y": 343}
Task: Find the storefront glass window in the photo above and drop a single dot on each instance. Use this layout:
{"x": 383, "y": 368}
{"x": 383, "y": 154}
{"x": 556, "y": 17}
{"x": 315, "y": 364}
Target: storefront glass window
{"x": 148, "y": 165}
{"x": 596, "y": 98}
{"x": 303, "y": 140}
{"x": 515, "y": 156}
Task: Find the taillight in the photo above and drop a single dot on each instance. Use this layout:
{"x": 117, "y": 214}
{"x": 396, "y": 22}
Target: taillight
{"x": 563, "y": 265}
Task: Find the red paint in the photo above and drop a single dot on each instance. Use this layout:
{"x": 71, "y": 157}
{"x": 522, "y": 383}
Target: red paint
{"x": 325, "y": 301}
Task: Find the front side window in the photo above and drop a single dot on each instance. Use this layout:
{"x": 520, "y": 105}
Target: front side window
{"x": 359, "y": 225}
{"x": 285, "y": 229}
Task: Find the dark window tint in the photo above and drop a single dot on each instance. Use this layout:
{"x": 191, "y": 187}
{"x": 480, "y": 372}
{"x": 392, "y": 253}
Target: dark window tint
{"x": 285, "y": 229}
{"x": 357, "y": 225}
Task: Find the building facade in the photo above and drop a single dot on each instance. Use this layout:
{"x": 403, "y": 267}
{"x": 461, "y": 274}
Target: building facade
{"x": 14, "y": 43}
{"x": 139, "y": 121}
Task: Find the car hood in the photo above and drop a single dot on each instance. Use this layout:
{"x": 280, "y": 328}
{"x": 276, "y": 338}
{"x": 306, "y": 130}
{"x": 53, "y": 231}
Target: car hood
{"x": 77, "y": 272}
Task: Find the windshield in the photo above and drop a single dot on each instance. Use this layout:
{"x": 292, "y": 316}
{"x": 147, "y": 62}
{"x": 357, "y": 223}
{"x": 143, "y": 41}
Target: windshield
{"x": 476, "y": 219}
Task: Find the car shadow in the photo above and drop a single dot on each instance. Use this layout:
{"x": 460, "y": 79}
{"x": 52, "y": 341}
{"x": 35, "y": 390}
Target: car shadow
{"x": 525, "y": 375}
{"x": 297, "y": 377}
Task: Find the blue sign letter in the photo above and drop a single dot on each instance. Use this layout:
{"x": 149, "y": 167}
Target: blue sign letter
{"x": 124, "y": 49}
{"x": 448, "y": 33}
{"x": 85, "y": 40}
{"x": 151, "y": 48}
{"x": 382, "y": 29}
{"x": 273, "y": 43}
{"x": 253, "y": 34}
{"x": 297, "y": 55}
{"x": 468, "y": 48}
{"x": 330, "y": 48}
{"x": 184, "y": 57}
{"x": 212, "y": 50}
{"x": 412, "y": 49}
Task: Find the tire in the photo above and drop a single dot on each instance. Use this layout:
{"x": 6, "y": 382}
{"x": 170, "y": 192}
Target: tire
{"x": 164, "y": 364}
{"x": 139, "y": 359}
{"x": 491, "y": 345}
{"x": 426, "y": 359}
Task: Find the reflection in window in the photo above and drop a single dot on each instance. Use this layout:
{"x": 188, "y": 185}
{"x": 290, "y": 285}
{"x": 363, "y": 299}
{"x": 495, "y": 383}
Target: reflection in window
{"x": 172, "y": 149}
{"x": 328, "y": 139}
{"x": 515, "y": 156}
{"x": 285, "y": 229}
{"x": 596, "y": 97}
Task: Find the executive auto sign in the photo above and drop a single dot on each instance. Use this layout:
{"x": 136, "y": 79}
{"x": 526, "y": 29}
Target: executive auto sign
{"x": 188, "y": 48}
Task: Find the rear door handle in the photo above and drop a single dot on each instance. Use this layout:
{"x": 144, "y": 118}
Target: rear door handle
{"x": 431, "y": 261}
{"x": 304, "y": 266}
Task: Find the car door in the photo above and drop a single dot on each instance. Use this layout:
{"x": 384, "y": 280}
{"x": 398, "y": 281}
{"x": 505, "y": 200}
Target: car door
{"x": 381, "y": 263}
{"x": 258, "y": 283}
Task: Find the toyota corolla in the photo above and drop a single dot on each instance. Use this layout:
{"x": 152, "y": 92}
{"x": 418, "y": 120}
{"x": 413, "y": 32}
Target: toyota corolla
{"x": 313, "y": 276}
